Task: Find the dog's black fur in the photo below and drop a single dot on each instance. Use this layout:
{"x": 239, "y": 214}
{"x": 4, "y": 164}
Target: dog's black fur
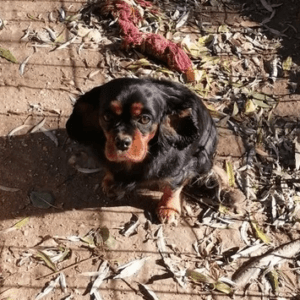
{"x": 184, "y": 138}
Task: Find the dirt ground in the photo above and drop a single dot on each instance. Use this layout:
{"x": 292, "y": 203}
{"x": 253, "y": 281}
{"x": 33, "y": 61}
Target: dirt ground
{"x": 38, "y": 162}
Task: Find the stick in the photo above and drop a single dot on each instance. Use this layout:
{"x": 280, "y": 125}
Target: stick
{"x": 66, "y": 268}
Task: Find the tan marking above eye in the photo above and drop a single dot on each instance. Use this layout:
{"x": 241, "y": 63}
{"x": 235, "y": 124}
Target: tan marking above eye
{"x": 136, "y": 109}
{"x": 116, "y": 107}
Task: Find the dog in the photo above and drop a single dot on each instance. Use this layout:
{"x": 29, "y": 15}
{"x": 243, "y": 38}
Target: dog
{"x": 146, "y": 130}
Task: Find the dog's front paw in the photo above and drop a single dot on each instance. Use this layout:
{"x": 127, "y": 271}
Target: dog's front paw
{"x": 110, "y": 189}
{"x": 167, "y": 215}
{"x": 107, "y": 185}
{"x": 169, "y": 207}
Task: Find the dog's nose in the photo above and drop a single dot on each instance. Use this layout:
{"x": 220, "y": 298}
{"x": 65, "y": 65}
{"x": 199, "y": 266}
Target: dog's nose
{"x": 123, "y": 143}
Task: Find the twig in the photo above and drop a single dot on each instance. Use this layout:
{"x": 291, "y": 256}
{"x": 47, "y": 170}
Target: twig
{"x": 68, "y": 267}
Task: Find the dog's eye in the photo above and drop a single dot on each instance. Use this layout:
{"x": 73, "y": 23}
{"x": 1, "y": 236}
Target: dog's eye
{"x": 144, "y": 119}
{"x": 107, "y": 117}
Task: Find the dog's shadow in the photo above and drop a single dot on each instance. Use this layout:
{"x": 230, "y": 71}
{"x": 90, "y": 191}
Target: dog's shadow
{"x": 33, "y": 162}
{"x": 66, "y": 170}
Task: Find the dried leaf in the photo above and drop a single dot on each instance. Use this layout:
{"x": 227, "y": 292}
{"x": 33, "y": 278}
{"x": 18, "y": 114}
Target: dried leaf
{"x": 250, "y": 107}
{"x": 108, "y": 240}
{"x": 197, "y": 276}
{"x": 89, "y": 239}
{"x": 50, "y": 135}
{"x": 263, "y": 97}
{"x": 143, "y": 62}
{"x": 21, "y": 223}
{"x": 88, "y": 171}
{"x": 223, "y": 28}
{"x": 222, "y": 287}
{"x": 274, "y": 69}
{"x": 11, "y": 133}
{"x": 259, "y": 233}
{"x": 66, "y": 44}
{"x": 103, "y": 271}
{"x": 130, "y": 228}
{"x": 51, "y": 287}
{"x": 266, "y": 5}
{"x": 62, "y": 281}
{"x": 51, "y": 33}
{"x": 182, "y": 20}
{"x": 97, "y": 295}
{"x": 42, "y": 199}
{"x": 93, "y": 73}
{"x": 7, "y": 55}
{"x": 235, "y": 110}
{"x": 130, "y": 268}
{"x": 297, "y": 153}
{"x": 60, "y": 38}
{"x": 230, "y": 173}
{"x": 178, "y": 273}
{"x": 147, "y": 292}
{"x": 23, "y": 65}
{"x": 272, "y": 276}
{"x": 206, "y": 39}
{"x": 47, "y": 260}
{"x": 8, "y": 189}
{"x": 260, "y": 103}
{"x": 18, "y": 225}
{"x": 253, "y": 268}
{"x": 59, "y": 254}
{"x": 161, "y": 245}
{"x": 243, "y": 230}
{"x": 287, "y": 64}
{"x": 38, "y": 126}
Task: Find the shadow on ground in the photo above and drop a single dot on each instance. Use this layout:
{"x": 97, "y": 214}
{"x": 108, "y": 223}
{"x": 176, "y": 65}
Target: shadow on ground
{"x": 32, "y": 162}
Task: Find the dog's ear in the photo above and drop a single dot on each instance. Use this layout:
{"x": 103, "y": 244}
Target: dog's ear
{"x": 179, "y": 128}
{"x": 180, "y": 124}
{"x": 83, "y": 125}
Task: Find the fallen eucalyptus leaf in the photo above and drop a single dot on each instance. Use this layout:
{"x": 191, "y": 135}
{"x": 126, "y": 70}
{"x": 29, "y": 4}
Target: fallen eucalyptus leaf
{"x": 8, "y": 189}
{"x": 230, "y": 174}
{"x": 42, "y": 199}
{"x": 297, "y": 153}
{"x": 18, "y": 225}
{"x": 130, "y": 268}
{"x": 11, "y": 133}
{"x": 108, "y": 240}
{"x": 287, "y": 64}
{"x": 23, "y": 65}
{"x": 5, "y": 53}
{"x": 130, "y": 228}
{"x": 147, "y": 292}
{"x": 88, "y": 171}
{"x": 182, "y": 20}
{"x": 46, "y": 259}
{"x": 51, "y": 287}
{"x": 252, "y": 269}
{"x": 272, "y": 276}
{"x": 198, "y": 277}
{"x": 250, "y": 107}
{"x": 260, "y": 234}
{"x": 266, "y": 5}
{"x": 62, "y": 281}
{"x": 38, "y": 126}
{"x": 103, "y": 271}
{"x": 222, "y": 287}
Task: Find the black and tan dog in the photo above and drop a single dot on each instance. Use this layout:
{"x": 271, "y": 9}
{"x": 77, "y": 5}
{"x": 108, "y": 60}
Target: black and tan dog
{"x": 146, "y": 130}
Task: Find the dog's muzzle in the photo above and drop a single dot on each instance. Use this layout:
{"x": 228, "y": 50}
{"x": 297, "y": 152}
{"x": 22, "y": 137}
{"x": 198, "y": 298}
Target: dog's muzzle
{"x": 123, "y": 142}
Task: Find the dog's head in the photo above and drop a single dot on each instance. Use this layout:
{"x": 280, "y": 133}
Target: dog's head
{"x": 125, "y": 115}
{"x": 129, "y": 114}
